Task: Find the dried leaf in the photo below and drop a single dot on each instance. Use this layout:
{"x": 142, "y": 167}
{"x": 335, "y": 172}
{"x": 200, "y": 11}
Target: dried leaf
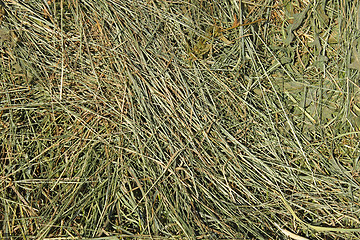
{"x": 355, "y": 64}
{"x": 236, "y": 22}
{"x": 225, "y": 40}
{"x": 323, "y": 17}
{"x": 298, "y": 19}
{"x": 358, "y": 19}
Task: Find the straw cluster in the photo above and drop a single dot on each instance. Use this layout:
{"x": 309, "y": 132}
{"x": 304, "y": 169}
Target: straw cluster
{"x": 134, "y": 119}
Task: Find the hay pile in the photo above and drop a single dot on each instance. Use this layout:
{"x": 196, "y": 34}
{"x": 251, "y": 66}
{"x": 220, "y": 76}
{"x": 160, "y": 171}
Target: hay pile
{"x": 179, "y": 119}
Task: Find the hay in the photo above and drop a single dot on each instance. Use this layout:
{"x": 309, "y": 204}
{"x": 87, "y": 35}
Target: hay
{"x": 179, "y": 119}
